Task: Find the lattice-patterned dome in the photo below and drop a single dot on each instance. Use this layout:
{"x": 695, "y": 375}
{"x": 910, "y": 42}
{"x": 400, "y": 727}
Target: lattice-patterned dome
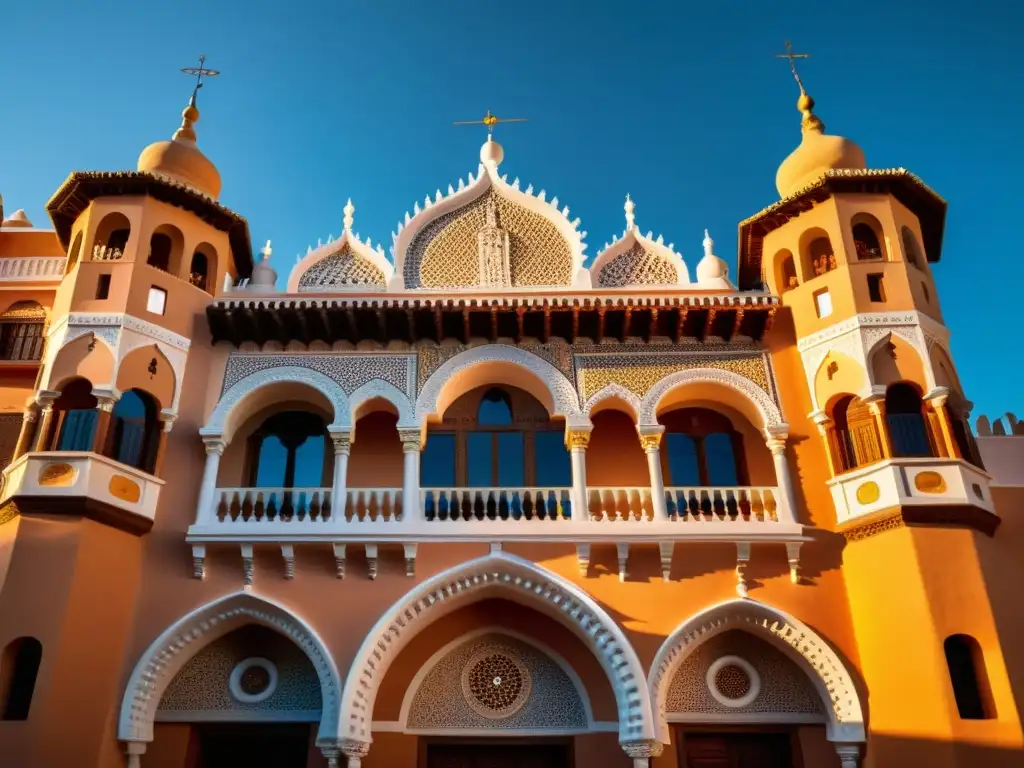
{"x": 346, "y": 263}
{"x": 490, "y": 234}
{"x": 636, "y": 259}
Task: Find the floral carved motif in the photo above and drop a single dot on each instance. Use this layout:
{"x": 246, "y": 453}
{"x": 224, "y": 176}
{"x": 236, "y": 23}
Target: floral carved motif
{"x": 341, "y": 269}
{"x": 350, "y": 369}
{"x": 637, "y": 266}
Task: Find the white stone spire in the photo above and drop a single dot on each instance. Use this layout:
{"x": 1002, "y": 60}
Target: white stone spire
{"x": 709, "y": 244}
{"x": 629, "y": 208}
{"x": 349, "y": 212}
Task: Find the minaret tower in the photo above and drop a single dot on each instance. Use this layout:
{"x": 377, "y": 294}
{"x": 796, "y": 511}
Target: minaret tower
{"x": 849, "y": 251}
{"x": 146, "y": 251}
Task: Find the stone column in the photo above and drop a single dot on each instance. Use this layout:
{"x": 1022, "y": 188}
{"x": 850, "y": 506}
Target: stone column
{"x": 28, "y": 421}
{"x": 412, "y": 444}
{"x": 849, "y": 755}
{"x": 205, "y": 512}
{"x": 876, "y": 404}
{"x": 354, "y": 752}
{"x": 135, "y": 750}
{"x": 937, "y": 400}
{"x": 650, "y": 439}
{"x": 576, "y": 440}
{"x": 167, "y": 419}
{"x": 106, "y": 399}
{"x": 642, "y": 751}
{"x": 339, "y": 480}
{"x": 785, "y": 511}
{"x": 45, "y": 400}
{"x": 332, "y": 754}
{"x": 827, "y": 430}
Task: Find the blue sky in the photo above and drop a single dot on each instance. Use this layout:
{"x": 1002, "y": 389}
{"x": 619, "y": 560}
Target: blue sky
{"x": 679, "y": 104}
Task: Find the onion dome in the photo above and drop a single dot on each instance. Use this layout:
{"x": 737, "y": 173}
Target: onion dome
{"x": 818, "y": 152}
{"x": 712, "y": 271}
{"x": 264, "y": 277}
{"x": 17, "y": 219}
{"x": 180, "y": 159}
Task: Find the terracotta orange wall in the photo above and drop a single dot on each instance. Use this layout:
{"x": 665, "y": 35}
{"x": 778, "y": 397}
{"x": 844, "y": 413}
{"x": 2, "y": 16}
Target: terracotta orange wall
{"x": 376, "y": 458}
{"x": 615, "y": 456}
{"x": 29, "y": 242}
{"x": 170, "y": 746}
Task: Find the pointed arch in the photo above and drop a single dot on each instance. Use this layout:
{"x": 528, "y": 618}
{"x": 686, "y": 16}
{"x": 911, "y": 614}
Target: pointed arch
{"x": 378, "y": 388}
{"x": 507, "y": 364}
{"x": 812, "y": 654}
{"x": 761, "y": 402}
{"x": 196, "y": 630}
{"x": 608, "y": 395}
{"x": 226, "y": 414}
{"x": 516, "y": 579}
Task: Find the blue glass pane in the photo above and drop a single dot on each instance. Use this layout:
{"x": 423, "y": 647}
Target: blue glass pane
{"x": 130, "y": 406}
{"x": 478, "y": 455}
{"x": 309, "y": 463}
{"x": 552, "y": 460}
{"x": 720, "y": 459}
{"x": 271, "y": 464}
{"x": 511, "y": 459}
{"x": 437, "y": 461}
{"x": 908, "y": 434}
{"x": 683, "y": 468}
{"x": 495, "y": 410}
{"x": 77, "y": 432}
{"x": 130, "y": 437}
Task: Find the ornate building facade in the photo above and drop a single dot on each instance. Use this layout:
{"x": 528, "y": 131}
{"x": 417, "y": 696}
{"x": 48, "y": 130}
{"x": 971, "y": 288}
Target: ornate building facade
{"x": 488, "y": 501}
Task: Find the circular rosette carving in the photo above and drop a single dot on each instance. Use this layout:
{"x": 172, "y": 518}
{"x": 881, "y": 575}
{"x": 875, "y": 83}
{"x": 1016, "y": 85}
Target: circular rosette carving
{"x": 496, "y": 683}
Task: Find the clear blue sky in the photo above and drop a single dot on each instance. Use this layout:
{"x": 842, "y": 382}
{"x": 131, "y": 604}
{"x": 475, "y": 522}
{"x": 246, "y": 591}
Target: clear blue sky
{"x": 679, "y": 104}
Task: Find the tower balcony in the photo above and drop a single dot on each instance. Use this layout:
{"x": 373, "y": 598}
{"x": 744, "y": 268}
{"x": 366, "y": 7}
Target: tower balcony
{"x": 82, "y": 483}
{"x": 922, "y": 490}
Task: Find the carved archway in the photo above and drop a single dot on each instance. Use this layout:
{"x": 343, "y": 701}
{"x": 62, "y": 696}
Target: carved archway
{"x": 530, "y": 373}
{"x": 223, "y": 420}
{"x": 378, "y": 388}
{"x": 193, "y": 632}
{"x": 765, "y": 407}
{"x": 512, "y": 578}
{"x": 610, "y": 393}
{"x": 811, "y": 653}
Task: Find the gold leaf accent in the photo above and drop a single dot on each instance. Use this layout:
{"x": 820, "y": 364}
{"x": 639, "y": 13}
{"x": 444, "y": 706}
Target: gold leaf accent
{"x": 930, "y": 482}
{"x": 57, "y": 475}
{"x": 125, "y": 489}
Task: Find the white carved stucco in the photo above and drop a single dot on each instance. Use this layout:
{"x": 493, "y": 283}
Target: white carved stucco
{"x": 771, "y": 416}
{"x": 485, "y": 577}
{"x": 195, "y": 631}
{"x": 832, "y": 680}
{"x": 613, "y": 391}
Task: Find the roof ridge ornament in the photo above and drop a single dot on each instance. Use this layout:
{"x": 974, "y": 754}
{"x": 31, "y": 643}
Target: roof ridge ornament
{"x": 805, "y": 103}
{"x": 630, "y": 208}
{"x": 349, "y": 211}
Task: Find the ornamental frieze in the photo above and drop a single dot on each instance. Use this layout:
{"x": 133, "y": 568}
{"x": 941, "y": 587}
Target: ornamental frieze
{"x": 350, "y": 369}
{"x": 431, "y": 356}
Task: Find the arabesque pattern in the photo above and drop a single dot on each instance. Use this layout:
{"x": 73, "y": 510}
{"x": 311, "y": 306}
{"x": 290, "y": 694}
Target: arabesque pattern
{"x": 341, "y": 269}
{"x": 637, "y": 266}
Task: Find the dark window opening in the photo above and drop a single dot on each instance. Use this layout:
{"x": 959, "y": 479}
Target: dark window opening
{"x": 198, "y": 272}
{"x": 19, "y": 667}
{"x": 904, "y": 415}
{"x": 135, "y": 431}
{"x": 823, "y": 258}
{"x": 789, "y": 278}
{"x": 966, "y": 665}
{"x": 160, "y": 252}
{"x": 911, "y": 250}
{"x": 866, "y": 243}
{"x": 876, "y": 287}
{"x": 103, "y": 287}
{"x": 21, "y": 341}
{"x": 118, "y": 239}
{"x": 76, "y": 410}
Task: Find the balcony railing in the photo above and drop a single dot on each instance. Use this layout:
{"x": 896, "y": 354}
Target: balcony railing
{"x": 37, "y": 269}
{"x": 699, "y": 504}
{"x": 469, "y": 504}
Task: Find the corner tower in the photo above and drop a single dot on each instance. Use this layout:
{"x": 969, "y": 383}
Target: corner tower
{"x": 127, "y": 356}
{"x": 848, "y": 250}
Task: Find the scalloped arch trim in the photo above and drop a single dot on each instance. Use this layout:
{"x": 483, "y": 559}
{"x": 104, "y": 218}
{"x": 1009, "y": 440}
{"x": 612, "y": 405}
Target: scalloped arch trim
{"x": 193, "y": 632}
{"x": 831, "y": 679}
{"x": 771, "y": 416}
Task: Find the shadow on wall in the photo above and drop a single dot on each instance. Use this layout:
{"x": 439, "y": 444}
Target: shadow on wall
{"x": 886, "y": 749}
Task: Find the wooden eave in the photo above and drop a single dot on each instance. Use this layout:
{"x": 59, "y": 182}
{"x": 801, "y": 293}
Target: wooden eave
{"x": 82, "y": 187}
{"x": 917, "y": 196}
{"x": 411, "y": 317}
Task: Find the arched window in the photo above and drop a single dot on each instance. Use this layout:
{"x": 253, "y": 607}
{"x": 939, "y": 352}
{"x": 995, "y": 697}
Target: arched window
{"x": 134, "y": 430}
{"x": 855, "y": 433}
{"x": 19, "y": 667}
{"x": 165, "y": 248}
{"x": 21, "y": 331}
{"x": 867, "y": 237}
{"x": 966, "y": 665}
{"x": 288, "y": 451}
{"x": 911, "y": 250}
{"x": 495, "y": 409}
{"x": 77, "y": 416}
{"x": 702, "y": 448}
{"x": 111, "y": 237}
{"x": 200, "y": 270}
{"x": 904, "y": 415}
{"x": 822, "y": 257}
{"x": 786, "y": 278}
{"x": 74, "y": 253}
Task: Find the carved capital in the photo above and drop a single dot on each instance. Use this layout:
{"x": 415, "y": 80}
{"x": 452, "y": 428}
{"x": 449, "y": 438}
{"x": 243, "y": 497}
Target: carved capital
{"x": 45, "y": 397}
{"x": 30, "y": 416}
{"x": 640, "y": 749}
{"x": 412, "y": 440}
{"x": 354, "y": 748}
{"x": 342, "y": 442}
{"x": 849, "y": 755}
{"x": 577, "y": 438}
{"x": 650, "y": 437}
{"x": 777, "y": 445}
{"x": 937, "y": 397}
{"x": 214, "y": 445}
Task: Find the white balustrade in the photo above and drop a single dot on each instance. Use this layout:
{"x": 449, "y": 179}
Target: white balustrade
{"x": 365, "y": 505}
{"x": 34, "y": 269}
{"x": 257, "y": 506}
{"x": 607, "y": 504}
{"x": 705, "y": 503}
{"x": 472, "y": 504}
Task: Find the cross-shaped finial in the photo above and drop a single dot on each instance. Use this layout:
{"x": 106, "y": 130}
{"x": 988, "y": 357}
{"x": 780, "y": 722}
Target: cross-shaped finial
{"x": 199, "y": 72}
{"x": 266, "y": 251}
{"x": 792, "y": 62}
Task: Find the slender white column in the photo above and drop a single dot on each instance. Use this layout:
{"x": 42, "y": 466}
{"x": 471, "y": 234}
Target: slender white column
{"x": 786, "y": 507}
{"x": 849, "y": 755}
{"x": 135, "y": 750}
{"x": 332, "y": 754}
{"x": 205, "y": 511}
{"x": 650, "y": 439}
{"x": 339, "y": 485}
{"x": 412, "y": 443}
{"x": 577, "y": 439}
{"x": 642, "y": 752}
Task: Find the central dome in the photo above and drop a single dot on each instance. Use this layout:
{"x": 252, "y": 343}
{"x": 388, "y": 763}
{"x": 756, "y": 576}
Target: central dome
{"x": 180, "y": 158}
{"x": 818, "y": 152}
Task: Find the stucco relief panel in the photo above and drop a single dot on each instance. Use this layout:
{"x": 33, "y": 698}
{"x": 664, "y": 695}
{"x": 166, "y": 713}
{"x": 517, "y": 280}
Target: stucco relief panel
{"x": 350, "y": 370}
{"x": 431, "y": 356}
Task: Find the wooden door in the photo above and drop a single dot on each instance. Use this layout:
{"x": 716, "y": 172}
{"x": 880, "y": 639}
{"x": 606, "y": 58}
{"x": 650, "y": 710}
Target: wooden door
{"x": 264, "y": 745}
{"x": 497, "y": 756}
{"x": 736, "y": 750}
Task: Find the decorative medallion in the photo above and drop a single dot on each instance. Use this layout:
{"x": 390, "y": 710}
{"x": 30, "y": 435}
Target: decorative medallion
{"x": 125, "y": 489}
{"x": 733, "y": 681}
{"x": 929, "y": 482}
{"x": 496, "y": 683}
{"x": 253, "y": 680}
{"x": 57, "y": 475}
{"x": 868, "y": 493}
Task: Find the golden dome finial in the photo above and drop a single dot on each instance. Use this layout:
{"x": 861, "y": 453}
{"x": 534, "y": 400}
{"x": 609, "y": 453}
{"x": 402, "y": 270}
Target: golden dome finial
{"x": 810, "y": 122}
